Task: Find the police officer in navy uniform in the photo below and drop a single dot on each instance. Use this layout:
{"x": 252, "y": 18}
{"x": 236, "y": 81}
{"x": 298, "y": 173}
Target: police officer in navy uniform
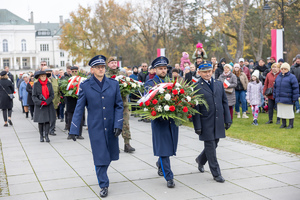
{"x": 101, "y": 96}
{"x": 210, "y": 125}
{"x": 164, "y": 132}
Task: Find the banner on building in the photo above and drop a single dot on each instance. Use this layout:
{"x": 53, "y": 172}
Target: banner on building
{"x": 161, "y": 52}
{"x": 277, "y": 43}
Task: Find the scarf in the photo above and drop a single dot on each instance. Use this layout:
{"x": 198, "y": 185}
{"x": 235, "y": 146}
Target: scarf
{"x": 226, "y": 74}
{"x": 151, "y": 76}
{"x": 45, "y": 91}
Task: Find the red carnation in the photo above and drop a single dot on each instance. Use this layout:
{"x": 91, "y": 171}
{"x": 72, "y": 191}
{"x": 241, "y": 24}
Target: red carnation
{"x": 175, "y": 92}
{"x": 153, "y": 113}
{"x": 185, "y": 109}
{"x": 169, "y": 87}
{"x": 141, "y": 104}
{"x": 172, "y": 108}
{"x": 189, "y": 116}
{"x": 147, "y": 103}
{"x": 181, "y": 91}
{"x": 113, "y": 76}
{"x": 154, "y": 101}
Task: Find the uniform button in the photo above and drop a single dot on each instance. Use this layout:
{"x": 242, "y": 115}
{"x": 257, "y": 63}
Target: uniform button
{"x": 102, "y": 97}
{"x": 105, "y": 128}
{"x": 103, "y": 108}
{"x": 104, "y": 118}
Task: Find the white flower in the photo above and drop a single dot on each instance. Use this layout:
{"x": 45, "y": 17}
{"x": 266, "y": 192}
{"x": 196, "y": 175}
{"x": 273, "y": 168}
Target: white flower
{"x": 133, "y": 85}
{"x": 166, "y": 108}
{"x": 159, "y": 109}
{"x": 145, "y": 109}
{"x": 188, "y": 98}
{"x": 196, "y": 102}
{"x": 177, "y": 85}
{"x": 168, "y": 97}
{"x": 125, "y": 84}
{"x": 161, "y": 90}
{"x": 127, "y": 79}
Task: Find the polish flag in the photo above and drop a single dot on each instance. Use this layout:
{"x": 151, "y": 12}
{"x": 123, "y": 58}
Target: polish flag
{"x": 119, "y": 63}
{"x": 226, "y": 84}
{"x": 277, "y": 43}
{"x": 161, "y": 52}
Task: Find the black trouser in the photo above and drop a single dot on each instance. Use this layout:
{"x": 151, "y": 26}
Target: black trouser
{"x": 209, "y": 154}
{"x": 44, "y": 128}
{"x": 31, "y": 108}
{"x": 57, "y": 112}
{"x": 69, "y": 120}
{"x": 52, "y": 125}
{"x": 271, "y": 107}
{"x": 4, "y": 111}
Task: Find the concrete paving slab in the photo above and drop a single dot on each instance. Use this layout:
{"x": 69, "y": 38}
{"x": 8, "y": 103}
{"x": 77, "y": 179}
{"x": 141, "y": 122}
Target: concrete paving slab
{"x": 288, "y": 192}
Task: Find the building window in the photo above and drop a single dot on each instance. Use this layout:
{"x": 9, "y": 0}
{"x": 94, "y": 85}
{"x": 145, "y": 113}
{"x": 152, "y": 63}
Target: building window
{"x": 62, "y": 54}
{"x": 6, "y": 62}
{"x": 43, "y": 33}
{"x": 24, "y": 62}
{"x": 23, "y": 44}
{"x": 62, "y": 63}
{"x": 5, "y": 46}
{"x": 46, "y": 60}
{"x": 44, "y": 47}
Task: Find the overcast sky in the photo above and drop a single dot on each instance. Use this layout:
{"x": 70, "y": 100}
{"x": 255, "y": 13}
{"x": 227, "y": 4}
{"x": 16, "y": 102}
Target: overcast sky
{"x": 45, "y": 10}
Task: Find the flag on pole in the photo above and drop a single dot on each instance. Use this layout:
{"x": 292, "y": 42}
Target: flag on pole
{"x": 161, "y": 52}
{"x": 277, "y": 43}
{"x": 119, "y": 64}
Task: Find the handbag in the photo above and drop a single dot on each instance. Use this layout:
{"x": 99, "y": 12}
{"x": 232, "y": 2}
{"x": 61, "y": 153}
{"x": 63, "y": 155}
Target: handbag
{"x": 11, "y": 96}
{"x": 229, "y": 90}
{"x": 269, "y": 91}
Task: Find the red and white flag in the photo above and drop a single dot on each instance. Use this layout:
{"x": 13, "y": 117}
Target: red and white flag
{"x": 161, "y": 52}
{"x": 277, "y": 43}
{"x": 119, "y": 63}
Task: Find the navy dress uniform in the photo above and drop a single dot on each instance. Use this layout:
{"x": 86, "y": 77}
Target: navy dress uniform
{"x": 105, "y": 115}
{"x": 164, "y": 133}
{"x": 211, "y": 123}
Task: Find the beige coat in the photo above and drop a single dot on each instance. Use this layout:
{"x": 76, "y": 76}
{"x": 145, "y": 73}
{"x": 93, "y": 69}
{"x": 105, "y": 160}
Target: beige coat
{"x": 244, "y": 80}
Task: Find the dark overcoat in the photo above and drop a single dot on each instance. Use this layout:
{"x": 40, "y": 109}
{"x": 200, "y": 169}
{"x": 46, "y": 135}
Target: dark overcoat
{"x": 211, "y": 121}
{"x": 29, "y": 90}
{"x": 164, "y": 132}
{"x": 105, "y": 112}
{"x": 5, "y": 101}
{"x": 45, "y": 113}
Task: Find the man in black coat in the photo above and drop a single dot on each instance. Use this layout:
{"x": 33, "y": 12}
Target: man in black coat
{"x": 220, "y": 68}
{"x": 143, "y": 74}
{"x": 210, "y": 125}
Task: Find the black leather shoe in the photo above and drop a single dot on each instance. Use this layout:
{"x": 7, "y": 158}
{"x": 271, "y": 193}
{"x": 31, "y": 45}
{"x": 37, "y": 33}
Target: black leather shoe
{"x": 80, "y": 137}
{"x": 170, "y": 183}
{"x": 69, "y": 137}
{"x": 128, "y": 148}
{"x": 41, "y": 139}
{"x": 219, "y": 179}
{"x": 269, "y": 122}
{"x": 282, "y": 126}
{"x": 10, "y": 122}
{"x": 52, "y": 133}
{"x": 104, "y": 192}
{"x": 159, "y": 171}
{"x": 200, "y": 167}
{"x": 278, "y": 122}
{"x": 6, "y": 125}
{"x": 289, "y": 127}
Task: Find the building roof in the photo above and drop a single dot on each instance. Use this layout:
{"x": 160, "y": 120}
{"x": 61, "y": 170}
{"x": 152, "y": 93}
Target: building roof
{"x": 54, "y": 28}
{"x": 8, "y": 18}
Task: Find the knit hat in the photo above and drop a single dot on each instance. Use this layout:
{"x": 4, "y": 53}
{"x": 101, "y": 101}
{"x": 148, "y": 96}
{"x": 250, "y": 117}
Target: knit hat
{"x": 256, "y": 73}
{"x": 281, "y": 60}
{"x": 187, "y": 67}
{"x": 286, "y": 66}
{"x": 237, "y": 65}
{"x": 229, "y": 66}
{"x": 297, "y": 56}
{"x": 199, "y": 45}
{"x": 251, "y": 60}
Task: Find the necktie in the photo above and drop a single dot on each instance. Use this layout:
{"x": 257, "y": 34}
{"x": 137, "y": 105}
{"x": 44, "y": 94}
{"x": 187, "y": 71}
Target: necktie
{"x": 208, "y": 82}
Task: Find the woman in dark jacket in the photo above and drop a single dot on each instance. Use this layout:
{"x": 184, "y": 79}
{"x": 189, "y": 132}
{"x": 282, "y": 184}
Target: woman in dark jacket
{"x": 220, "y": 68}
{"x": 286, "y": 93}
{"x": 42, "y": 96}
{"x": 29, "y": 98}
{"x": 6, "y": 103}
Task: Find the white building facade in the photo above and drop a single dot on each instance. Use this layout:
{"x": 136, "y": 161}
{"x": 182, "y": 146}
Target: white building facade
{"x": 23, "y": 44}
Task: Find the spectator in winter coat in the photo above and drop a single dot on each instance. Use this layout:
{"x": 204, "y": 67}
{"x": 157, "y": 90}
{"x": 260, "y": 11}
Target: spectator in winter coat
{"x": 295, "y": 69}
{"x": 213, "y": 61}
{"x": 251, "y": 65}
{"x": 177, "y": 66}
{"x": 280, "y": 61}
{"x": 176, "y": 77}
{"x": 286, "y": 93}
{"x": 254, "y": 91}
{"x": 220, "y": 68}
{"x": 263, "y": 70}
{"x": 24, "y": 94}
{"x": 240, "y": 90}
{"x": 271, "y": 61}
{"x": 134, "y": 75}
{"x": 6, "y": 103}
{"x": 269, "y": 83}
{"x": 244, "y": 68}
{"x": 192, "y": 76}
{"x": 229, "y": 90}
{"x": 143, "y": 74}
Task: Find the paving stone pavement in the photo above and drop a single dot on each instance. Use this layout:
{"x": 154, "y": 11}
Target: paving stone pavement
{"x": 63, "y": 169}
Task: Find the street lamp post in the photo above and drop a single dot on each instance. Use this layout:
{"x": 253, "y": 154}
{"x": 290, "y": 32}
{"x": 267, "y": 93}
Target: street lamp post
{"x": 268, "y": 8}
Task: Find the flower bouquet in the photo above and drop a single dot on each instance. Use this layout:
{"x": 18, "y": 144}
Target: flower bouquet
{"x": 70, "y": 87}
{"x": 170, "y": 100}
{"x": 128, "y": 85}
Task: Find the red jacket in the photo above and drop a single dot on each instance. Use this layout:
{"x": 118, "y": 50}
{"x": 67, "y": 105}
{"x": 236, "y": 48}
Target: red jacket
{"x": 269, "y": 82}
{"x": 247, "y": 72}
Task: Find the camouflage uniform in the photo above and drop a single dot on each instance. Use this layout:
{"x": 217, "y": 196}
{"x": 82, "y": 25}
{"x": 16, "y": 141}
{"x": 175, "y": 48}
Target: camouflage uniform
{"x": 126, "y": 129}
